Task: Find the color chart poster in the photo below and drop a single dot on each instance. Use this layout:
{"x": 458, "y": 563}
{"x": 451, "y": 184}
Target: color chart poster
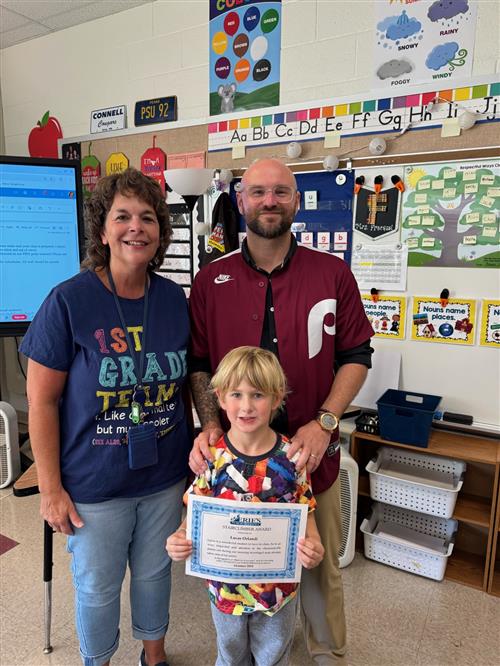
{"x": 423, "y": 41}
{"x": 245, "y": 45}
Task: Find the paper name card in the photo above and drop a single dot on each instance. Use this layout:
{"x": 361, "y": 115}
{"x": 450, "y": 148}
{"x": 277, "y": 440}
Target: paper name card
{"x": 487, "y": 201}
{"x": 449, "y": 192}
{"x": 451, "y": 127}
{"x": 472, "y": 218}
{"x": 414, "y": 220}
{"x": 471, "y": 188}
{"x": 428, "y": 242}
{"x": 493, "y": 191}
{"x": 423, "y": 184}
{"x": 238, "y": 151}
{"x": 423, "y": 210}
{"x": 469, "y": 175}
{"x": 487, "y": 179}
{"x": 488, "y": 218}
{"x": 438, "y": 184}
{"x": 470, "y": 240}
{"x": 421, "y": 198}
{"x": 449, "y": 173}
{"x": 412, "y": 243}
{"x": 332, "y": 140}
{"x": 489, "y": 232}
{"x": 428, "y": 220}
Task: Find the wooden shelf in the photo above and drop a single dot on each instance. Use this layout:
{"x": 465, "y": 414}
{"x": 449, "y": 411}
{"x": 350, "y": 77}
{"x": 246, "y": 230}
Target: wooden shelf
{"x": 450, "y": 445}
{"x": 465, "y": 565}
{"x": 495, "y": 586}
{"x": 469, "y": 508}
{"x": 364, "y": 486}
{"x": 473, "y": 510}
{"x": 466, "y": 568}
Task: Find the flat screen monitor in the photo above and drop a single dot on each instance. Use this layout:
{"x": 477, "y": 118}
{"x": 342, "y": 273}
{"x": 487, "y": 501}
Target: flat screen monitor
{"x": 41, "y": 234}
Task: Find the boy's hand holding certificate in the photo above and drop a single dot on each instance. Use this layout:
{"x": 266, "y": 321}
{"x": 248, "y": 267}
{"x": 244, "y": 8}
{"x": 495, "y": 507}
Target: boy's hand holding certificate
{"x": 244, "y": 541}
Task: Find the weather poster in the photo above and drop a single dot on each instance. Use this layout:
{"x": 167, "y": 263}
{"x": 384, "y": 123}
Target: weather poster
{"x": 419, "y": 41}
{"x": 490, "y": 324}
{"x": 245, "y": 46}
{"x": 435, "y": 320}
{"x": 450, "y": 214}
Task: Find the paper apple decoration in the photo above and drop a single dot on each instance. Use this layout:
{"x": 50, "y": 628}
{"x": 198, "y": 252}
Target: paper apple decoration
{"x": 42, "y": 141}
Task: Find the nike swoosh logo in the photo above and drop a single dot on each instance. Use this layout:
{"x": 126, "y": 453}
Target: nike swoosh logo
{"x": 220, "y": 279}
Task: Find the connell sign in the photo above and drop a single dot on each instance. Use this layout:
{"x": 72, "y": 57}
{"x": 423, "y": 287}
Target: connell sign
{"x": 108, "y": 120}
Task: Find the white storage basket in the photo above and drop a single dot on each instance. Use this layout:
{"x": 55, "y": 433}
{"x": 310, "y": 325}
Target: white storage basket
{"x": 416, "y": 481}
{"x": 408, "y": 540}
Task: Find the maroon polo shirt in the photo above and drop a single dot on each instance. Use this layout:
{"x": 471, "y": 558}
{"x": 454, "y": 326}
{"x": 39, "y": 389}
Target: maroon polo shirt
{"x": 317, "y": 312}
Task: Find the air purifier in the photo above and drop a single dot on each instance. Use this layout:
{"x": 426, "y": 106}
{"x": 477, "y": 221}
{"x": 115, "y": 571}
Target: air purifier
{"x": 10, "y": 460}
{"x": 349, "y": 475}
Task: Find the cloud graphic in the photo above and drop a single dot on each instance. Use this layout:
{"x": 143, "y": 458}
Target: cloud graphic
{"x": 394, "y": 68}
{"x": 447, "y": 9}
{"x": 387, "y": 22}
{"x": 441, "y": 55}
{"x": 404, "y": 27}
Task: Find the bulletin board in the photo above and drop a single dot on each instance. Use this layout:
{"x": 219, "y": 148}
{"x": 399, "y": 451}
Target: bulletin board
{"x": 327, "y": 226}
{"x": 467, "y": 376}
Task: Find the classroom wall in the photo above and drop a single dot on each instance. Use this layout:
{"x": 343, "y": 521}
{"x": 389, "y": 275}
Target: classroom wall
{"x": 161, "y": 49}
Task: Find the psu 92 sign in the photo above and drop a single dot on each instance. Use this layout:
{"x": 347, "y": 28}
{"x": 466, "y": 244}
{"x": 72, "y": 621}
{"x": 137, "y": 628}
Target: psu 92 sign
{"x": 160, "y": 110}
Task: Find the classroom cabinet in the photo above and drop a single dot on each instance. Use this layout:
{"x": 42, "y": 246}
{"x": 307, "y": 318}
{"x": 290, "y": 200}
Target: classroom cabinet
{"x": 475, "y": 560}
{"x": 494, "y": 578}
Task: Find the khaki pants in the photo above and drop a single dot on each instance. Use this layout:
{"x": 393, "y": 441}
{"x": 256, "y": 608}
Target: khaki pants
{"x": 321, "y": 592}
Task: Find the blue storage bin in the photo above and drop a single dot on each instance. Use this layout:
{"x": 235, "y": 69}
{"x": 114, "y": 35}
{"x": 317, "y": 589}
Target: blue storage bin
{"x": 406, "y": 417}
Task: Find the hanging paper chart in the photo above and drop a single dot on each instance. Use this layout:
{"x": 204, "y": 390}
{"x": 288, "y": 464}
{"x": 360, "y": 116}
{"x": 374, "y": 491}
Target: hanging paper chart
{"x": 450, "y": 214}
{"x": 116, "y": 163}
{"x": 153, "y": 164}
{"x": 91, "y": 172}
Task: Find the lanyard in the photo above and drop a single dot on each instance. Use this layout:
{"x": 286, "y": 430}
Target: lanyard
{"x": 136, "y": 414}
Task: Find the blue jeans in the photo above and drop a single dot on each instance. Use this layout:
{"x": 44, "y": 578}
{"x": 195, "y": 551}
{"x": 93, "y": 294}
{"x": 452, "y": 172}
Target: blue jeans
{"x": 117, "y": 532}
{"x": 255, "y": 638}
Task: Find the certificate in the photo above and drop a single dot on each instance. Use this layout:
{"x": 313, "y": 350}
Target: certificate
{"x": 244, "y": 541}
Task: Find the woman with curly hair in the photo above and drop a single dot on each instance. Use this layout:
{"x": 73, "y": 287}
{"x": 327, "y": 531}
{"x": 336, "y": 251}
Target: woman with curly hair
{"x": 106, "y": 369}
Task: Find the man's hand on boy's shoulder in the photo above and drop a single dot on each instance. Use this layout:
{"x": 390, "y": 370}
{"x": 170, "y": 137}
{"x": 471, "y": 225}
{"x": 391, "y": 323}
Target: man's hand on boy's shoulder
{"x": 200, "y": 452}
{"x": 311, "y": 442}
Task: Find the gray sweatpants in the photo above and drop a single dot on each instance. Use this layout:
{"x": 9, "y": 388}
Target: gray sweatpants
{"x": 268, "y": 639}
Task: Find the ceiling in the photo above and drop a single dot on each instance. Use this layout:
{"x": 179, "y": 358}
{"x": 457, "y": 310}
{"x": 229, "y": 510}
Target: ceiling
{"x": 22, "y": 20}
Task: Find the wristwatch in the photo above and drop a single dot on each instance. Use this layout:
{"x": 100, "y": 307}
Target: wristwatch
{"x": 327, "y": 420}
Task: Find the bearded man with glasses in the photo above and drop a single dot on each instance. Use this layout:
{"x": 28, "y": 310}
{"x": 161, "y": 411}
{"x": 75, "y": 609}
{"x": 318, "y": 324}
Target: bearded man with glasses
{"x": 304, "y": 306}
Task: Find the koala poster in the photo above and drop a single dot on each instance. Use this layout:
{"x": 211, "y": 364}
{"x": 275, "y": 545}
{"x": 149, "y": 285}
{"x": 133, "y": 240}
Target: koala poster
{"x": 245, "y": 45}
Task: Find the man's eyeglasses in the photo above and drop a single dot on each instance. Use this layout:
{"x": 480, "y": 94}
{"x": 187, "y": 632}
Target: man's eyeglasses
{"x": 281, "y": 193}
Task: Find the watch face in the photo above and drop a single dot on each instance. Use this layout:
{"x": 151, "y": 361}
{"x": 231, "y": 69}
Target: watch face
{"x": 328, "y": 421}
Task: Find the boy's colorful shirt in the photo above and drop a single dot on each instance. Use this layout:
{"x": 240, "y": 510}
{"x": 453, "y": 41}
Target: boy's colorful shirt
{"x": 267, "y": 478}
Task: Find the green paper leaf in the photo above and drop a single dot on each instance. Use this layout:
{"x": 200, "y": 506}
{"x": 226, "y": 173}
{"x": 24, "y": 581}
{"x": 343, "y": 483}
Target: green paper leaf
{"x": 45, "y": 119}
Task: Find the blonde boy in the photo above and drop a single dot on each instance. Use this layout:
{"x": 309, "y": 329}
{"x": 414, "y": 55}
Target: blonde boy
{"x": 253, "y": 621}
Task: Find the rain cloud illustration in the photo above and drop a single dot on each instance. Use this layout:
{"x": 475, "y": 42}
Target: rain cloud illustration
{"x": 447, "y": 9}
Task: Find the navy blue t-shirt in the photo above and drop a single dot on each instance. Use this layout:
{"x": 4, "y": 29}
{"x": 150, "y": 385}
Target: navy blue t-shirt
{"x": 78, "y": 330}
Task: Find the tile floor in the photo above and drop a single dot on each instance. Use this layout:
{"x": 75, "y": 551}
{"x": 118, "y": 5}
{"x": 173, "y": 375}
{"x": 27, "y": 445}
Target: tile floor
{"x": 394, "y": 618}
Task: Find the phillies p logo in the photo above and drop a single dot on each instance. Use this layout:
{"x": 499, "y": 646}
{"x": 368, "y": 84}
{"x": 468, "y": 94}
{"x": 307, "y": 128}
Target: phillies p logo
{"x": 316, "y": 324}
